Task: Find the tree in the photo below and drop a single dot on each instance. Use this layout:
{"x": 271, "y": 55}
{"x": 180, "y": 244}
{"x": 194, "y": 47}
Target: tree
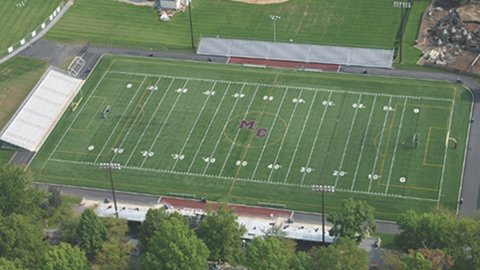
{"x": 54, "y": 199}
{"x": 427, "y": 230}
{"x": 17, "y": 195}
{"x": 466, "y": 248}
{"x": 353, "y": 220}
{"x": 115, "y": 252}
{"x": 68, "y": 225}
{"x": 10, "y": 265}
{"x": 116, "y": 229}
{"x": 22, "y": 240}
{"x": 270, "y": 253}
{"x": 415, "y": 261}
{"x": 151, "y": 224}
{"x": 343, "y": 255}
{"x": 301, "y": 261}
{"x": 222, "y": 234}
{"x": 64, "y": 256}
{"x": 91, "y": 233}
{"x": 174, "y": 246}
{"x": 439, "y": 259}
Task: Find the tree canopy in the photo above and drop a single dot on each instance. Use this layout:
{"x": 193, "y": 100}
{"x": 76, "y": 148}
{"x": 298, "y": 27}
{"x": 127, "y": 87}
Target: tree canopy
{"x": 174, "y": 246}
{"x": 353, "y": 220}
{"x": 115, "y": 251}
{"x": 270, "y": 253}
{"x": 152, "y": 223}
{"x": 10, "y": 265}
{"x": 91, "y": 233}
{"x": 64, "y": 256}
{"x": 222, "y": 234}
{"x": 344, "y": 254}
{"x": 17, "y": 195}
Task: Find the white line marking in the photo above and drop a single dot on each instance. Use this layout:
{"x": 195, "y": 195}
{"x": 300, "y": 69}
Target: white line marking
{"x": 445, "y": 156}
{"x": 194, "y": 126}
{"x": 396, "y": 144}
{"x": 120, "y": 119}
{"x": 164, "y": 122}
{"x": 221, "y": 132}
{"x": 316, "y": 137}
{"x": 284, "y": 137}
{"x": 208, "y": 128}
{"x": 348, "y": 141}
{"x": 149, "y": 122}
{"x": 380, "y": 144}
{"x": 300, "y": 138}
{"x": 238, "y": 131}
{"x": 363, "y": 144}
{"x": 268, "y": 136}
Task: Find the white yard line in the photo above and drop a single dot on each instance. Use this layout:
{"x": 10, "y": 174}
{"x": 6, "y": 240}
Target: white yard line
{"x": 149, "y": 122}
{"x": 395, "y": 148}
{"x": 221, "y": 132}
{"x": 379, "y": 145}
{"x": 316, "y": 137}
{"x": 363, "y": 144}
{"x": 238, "y": 131}
{"x": 284, "y": 137}
{"x": 300, "y": 138}
{"x": 163, "y": 124}
{"x": 208, "y": 128}
{"x": 286, "y": 86}
{"x": 120, "y": 119}
{"x": 348, "y": 141}
{"x": 445, "y": 157}
{"x": 78, "y": 114}
{"x": 268, "y": 136}
{"x": 133, "y": 123}
{"x": 194, "y": 126}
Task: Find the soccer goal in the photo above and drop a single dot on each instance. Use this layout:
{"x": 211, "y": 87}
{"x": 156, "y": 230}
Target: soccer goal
{"x": 76, "y": 66}
{"x": 415, "y": 140}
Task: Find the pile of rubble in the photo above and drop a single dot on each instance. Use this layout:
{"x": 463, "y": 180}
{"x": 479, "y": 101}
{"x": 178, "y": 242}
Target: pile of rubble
{"x": 451, "y": 35}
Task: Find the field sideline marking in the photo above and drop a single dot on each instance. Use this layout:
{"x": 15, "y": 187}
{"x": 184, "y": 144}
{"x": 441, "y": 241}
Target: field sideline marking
{"x": 253, "y": 133}
{"x": 199, "y": 114}
{"x": 238, "y": 131}
{"x": 268, "y": 136}
{"x": 379, "y": 146}
{"x": 396, "y": 144}
{"x": 163, "y": 124}
{"x": 149, "y": 121}
{"x": 119, "y": 120}
{"x": 221, "y": 133}
{"x": 300, "y": 137}
{"x": 291, "y": 87}
{"x": 208, "y": 128}
{"x": 363, "y": 143}
{"x": 345, "y": 149}
{"x": 316, "y": 136}
{"x": 283, "y": 139}
{"x": 427, "y": 144}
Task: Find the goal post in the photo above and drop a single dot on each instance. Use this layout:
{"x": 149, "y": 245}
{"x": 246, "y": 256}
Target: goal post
{"x": 415, "y": 140}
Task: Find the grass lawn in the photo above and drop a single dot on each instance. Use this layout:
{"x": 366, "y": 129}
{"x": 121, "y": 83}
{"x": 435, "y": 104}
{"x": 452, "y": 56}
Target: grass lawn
{"x": 368, "y": 23}
{"x": 18, "y": 21}
{"x": 388, "y": 240}
{"x": 262, "y": 135}
{"x": 5, "y": 156}
{"x": 18, "y": 76}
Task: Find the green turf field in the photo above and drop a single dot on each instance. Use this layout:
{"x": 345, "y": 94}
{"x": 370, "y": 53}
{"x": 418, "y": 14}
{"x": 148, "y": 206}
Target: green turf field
{"x": 262, "y": 135}
{"x": 367, "y": 23}
{"x": 18, "y": 18}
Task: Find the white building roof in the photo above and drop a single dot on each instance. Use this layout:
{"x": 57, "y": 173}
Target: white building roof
{"x": 35, "y": 119}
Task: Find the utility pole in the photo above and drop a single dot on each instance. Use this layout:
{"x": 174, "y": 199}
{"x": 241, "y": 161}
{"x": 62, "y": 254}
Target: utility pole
{"x": 110, "y": 167}
{"x": 274, "y": 19}
{"x": 191, "y": 24}
{"x": 323, "y": 189}
{"x": 402, "y": 6}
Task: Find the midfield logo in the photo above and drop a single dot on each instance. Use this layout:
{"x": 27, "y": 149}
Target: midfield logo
{"x": 261, "y": 132}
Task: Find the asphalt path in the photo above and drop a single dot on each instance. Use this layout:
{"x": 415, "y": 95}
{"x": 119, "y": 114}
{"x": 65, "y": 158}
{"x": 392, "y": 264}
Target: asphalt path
{"x": 57, "y": 54}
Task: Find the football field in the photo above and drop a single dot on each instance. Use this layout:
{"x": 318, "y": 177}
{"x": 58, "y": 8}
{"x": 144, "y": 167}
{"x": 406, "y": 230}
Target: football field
{"x": 262, "y": 136}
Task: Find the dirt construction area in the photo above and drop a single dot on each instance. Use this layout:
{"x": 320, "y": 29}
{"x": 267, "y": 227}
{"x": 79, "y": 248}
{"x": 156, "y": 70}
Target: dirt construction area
{"x": 450, "y": 36}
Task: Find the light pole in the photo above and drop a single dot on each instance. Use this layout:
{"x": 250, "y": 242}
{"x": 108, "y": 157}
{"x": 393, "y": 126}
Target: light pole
{"x": 191, "y": 24}
{"x": 274, "y": 19}
{"x": 323, "y": 189}
{"x": 110, "y": 167}
{"x": 402, "y": 6}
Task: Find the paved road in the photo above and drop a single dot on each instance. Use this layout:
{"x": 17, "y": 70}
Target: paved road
{"x": 56, "y": 54}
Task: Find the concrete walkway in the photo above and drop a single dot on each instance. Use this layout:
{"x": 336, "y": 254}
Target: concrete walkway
{"x": 56, "y": 54}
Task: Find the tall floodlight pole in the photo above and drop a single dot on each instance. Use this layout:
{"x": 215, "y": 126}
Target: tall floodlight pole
{"x": 274, "y": 19}
{"x": 191, "y": 24}
{"x": 402, "y": 6}
{"x": 323, "y": 189}
{"x": 110, "y": 167}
